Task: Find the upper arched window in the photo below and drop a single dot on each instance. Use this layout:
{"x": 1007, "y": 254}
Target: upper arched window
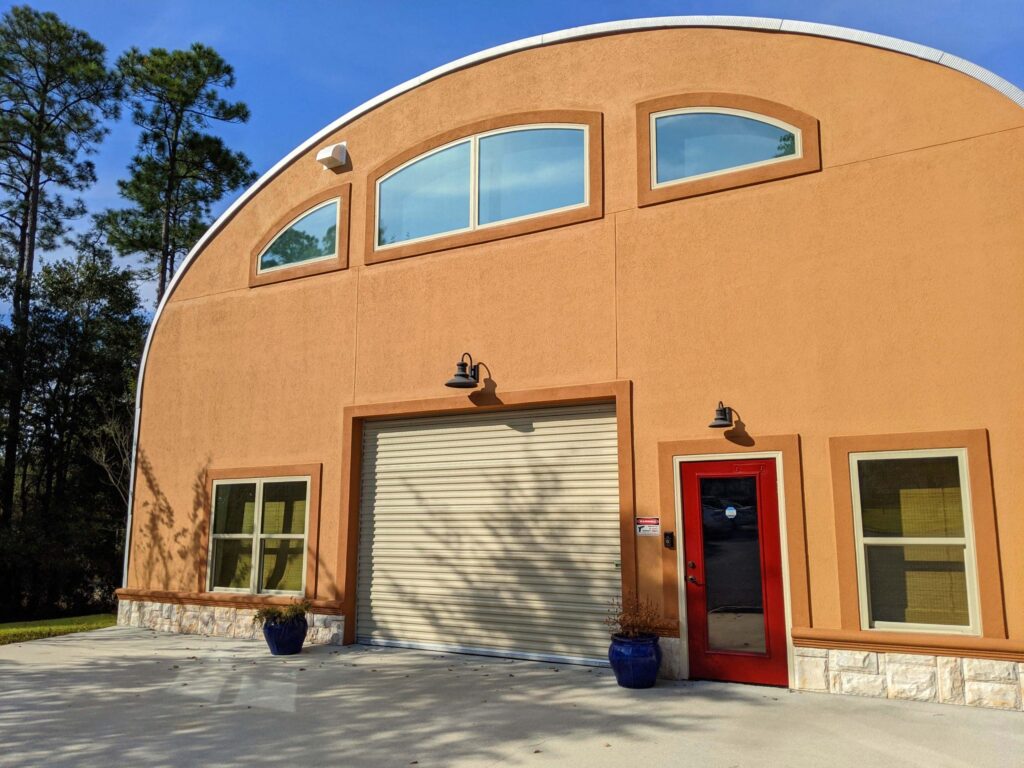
{"x": 700, "y": 143}
{"x": 697, "y": 142}
{"x": 311, "y": 239}
{"x": 519, "y": 176}
{"x": 314, "y": 235}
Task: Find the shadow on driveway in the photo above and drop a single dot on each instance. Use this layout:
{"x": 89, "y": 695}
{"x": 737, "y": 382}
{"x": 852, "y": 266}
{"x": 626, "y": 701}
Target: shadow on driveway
{"x": 134, "y": 697}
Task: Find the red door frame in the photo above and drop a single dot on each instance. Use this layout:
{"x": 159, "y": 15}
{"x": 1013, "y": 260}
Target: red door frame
{"x": 771, "y": 667}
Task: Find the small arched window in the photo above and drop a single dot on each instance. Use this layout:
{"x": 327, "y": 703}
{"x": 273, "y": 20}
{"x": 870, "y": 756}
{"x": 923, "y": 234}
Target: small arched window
{"x": 697, "y": 142}
{"x": 700, "y": 143}
{"x": 492, "y": 180}
{"x": 312, "y": 236}
{"x": 312, "y": 239}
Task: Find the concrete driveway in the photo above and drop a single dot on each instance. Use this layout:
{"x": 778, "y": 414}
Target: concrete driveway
{"x": 132, "y": 697}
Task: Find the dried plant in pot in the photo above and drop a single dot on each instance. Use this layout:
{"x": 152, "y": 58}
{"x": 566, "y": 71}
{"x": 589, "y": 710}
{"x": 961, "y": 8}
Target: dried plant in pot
{"x": 634, "y": 653}
{"x": 284, "y": 629}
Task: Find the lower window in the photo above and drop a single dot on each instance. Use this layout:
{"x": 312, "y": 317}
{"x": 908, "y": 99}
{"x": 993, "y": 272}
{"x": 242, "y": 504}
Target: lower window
{"x": 915, "y": 548}
{"x": 258, "y": 538}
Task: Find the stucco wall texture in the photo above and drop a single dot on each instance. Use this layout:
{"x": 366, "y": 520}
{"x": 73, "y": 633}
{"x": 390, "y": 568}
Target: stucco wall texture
{"x": 880, "y": 295}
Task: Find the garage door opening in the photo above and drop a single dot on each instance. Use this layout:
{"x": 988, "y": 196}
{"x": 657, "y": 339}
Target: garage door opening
{"x": 494, "y": 533}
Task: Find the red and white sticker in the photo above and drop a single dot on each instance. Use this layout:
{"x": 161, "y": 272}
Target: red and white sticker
{"x": 648, "y": 526}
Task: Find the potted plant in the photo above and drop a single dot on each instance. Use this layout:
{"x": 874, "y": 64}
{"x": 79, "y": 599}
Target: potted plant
{"x": 634, "y": 652}
{"x": 283, "y": 628}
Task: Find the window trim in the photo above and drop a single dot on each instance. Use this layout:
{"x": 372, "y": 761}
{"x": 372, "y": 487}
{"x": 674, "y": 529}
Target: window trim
{"x": 650, "y": 192}
{"x": 261, "y": 270}
{"x": 407, "y": 164}
{"x": 990, "y": 596}
{"x": 321, "y": 265}
{"x": 966, "y": 541}
{"x": 592, "y": 208}
{"x": 474, "y": 182}
{"x": 655, "y": 184}
{"x": 310, "y": 472}
{"x": 258, "y": 536}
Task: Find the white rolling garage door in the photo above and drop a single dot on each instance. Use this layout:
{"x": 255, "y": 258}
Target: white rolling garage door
{"x": 495, "y": 533}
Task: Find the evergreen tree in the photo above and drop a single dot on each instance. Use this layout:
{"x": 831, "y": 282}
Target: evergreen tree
{"x": 63, "y": 552}
{"x": 180, "y": 170}
{"x": 55, "y": 93}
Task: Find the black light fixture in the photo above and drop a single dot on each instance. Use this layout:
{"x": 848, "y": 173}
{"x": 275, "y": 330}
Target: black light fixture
{"x": 723, "y": 417}
{"x": 467, "y": 375}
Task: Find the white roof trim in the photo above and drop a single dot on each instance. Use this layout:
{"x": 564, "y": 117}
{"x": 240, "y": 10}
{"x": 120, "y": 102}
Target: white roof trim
{"x": 1009, "y": 90}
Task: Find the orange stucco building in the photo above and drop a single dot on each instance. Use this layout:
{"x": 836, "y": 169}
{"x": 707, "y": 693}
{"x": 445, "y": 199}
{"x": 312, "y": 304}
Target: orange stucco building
{"x": 626, "y": 224}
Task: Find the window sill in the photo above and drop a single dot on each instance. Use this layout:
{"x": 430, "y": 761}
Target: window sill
{"x": 226, "y": 599}
{"x": 888, "y": 641}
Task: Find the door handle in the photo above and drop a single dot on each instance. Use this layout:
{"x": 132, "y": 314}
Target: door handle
{"x": 693, "y": 580}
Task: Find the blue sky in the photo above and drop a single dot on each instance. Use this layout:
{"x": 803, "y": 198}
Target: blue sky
{"x": 302, "y": 63}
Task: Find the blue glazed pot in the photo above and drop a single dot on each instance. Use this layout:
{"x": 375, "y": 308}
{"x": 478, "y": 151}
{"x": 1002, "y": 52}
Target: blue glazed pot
{"x": 635, "y": 660}
{"x": 286, "y": 639}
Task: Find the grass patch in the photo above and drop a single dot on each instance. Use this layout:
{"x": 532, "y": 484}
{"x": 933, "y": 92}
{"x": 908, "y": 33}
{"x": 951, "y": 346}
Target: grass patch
{"x": 23, "y": 631}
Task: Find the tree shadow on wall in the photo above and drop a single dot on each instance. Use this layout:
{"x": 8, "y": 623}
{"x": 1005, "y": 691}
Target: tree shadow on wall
{"x": 164, "y": 538}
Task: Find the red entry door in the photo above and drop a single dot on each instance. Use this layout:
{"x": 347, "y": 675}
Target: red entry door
{"x": 733, "y": 571}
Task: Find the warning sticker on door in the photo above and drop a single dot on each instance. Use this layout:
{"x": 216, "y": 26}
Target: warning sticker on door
{"x": 648, "y": 526}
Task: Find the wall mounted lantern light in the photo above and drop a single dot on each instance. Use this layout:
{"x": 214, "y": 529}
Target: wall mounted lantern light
{"x": 723, "y": 417}
{"x": 467, "y": 375}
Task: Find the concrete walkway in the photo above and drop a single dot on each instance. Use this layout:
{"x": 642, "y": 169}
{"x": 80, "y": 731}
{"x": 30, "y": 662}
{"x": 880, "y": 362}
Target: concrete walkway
{"x": 132, "y": 697}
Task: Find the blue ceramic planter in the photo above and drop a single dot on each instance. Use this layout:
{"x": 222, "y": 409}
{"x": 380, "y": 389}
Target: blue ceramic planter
{"x": 635, "y": 660}
{"x": 286, "y": 639}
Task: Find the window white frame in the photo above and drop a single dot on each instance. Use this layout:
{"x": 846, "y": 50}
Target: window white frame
{"x": 966, "y": 541}
{"x": 257, "y": 535}
{"x": 798, "y": 144}
{"x": 261, "y": 270}
{"x": 474, "y": 183}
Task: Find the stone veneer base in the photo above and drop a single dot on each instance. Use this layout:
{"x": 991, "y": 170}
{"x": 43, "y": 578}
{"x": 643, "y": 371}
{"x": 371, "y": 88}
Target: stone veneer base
{"x": 941, "y": 679}
{"x": 217, "y": 621}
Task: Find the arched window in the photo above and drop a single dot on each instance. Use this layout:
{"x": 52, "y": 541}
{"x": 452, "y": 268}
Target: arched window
{"x": 518, "y": 176}
{"x": 697, "y": 142}
{"x": 700, "y": 143}
{"x": 310, "y": 239}
{"x": 313, "y": 236}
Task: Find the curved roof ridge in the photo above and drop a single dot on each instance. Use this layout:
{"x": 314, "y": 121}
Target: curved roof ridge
{"x": 916, "y": 50}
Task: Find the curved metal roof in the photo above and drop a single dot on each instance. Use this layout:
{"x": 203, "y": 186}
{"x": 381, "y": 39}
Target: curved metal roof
{"x": 981, "y": 74}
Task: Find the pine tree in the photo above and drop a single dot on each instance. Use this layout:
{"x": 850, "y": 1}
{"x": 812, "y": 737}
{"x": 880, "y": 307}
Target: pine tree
{"x": 180, "y": 170}
{"x": 55, "y": 94}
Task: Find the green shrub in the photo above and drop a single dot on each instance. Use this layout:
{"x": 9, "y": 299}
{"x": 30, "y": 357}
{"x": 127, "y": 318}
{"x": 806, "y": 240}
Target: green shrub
{"x": 272, "y": 614}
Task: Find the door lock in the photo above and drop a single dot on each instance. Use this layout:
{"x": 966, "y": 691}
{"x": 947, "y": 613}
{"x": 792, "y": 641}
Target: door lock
{"x": 670, "y": 540}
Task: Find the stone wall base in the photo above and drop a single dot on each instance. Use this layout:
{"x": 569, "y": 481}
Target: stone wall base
{"x": 671, "y": 659}
{"x": 217, "y": 621}
{"x": 941, "y": 679}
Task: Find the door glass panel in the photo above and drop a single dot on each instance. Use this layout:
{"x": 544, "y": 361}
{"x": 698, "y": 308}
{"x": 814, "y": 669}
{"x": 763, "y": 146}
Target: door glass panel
{"x": 732, "y": 564}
